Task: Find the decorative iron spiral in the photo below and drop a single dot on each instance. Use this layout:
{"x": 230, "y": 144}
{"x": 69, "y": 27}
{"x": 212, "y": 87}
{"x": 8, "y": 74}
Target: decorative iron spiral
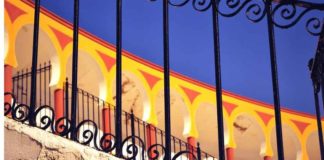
{"x": 87, "y": 134}
{"x": 132, "y": 148}
{"x": 285, "y": 15}
{"x": 62, "y": 126}
{"x": 9, "y": 105}
{"x": 45, "y": 120}
{"x": 255, "y": 9}
{"x": 107, "y": 142}
{"x": 153, "y": 152}
{"x": 198, "y": 5}
{"x": 20, "y": 113}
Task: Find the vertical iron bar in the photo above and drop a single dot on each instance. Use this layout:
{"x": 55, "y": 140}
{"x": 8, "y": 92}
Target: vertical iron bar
{"x": 40, "y": 85}
{"x": 45, "y": 80}
{"x": 75, "y": 68}
{"x": 320, "y": 70}
{"x": 198, "y": 152}
{"x": 26, "y": 88}
{"x": 275, "y": 83}
{"x": 133, "y": 130}
{"x": 49, "y": 81}
{"x": 66, "y": 98}
{"x": 319, "y": 123}
{"x": 118, "y": 121}
{"x": 167, "y": 117}
{"x": 33, "y": 84}
{"x": 218, "y": 78}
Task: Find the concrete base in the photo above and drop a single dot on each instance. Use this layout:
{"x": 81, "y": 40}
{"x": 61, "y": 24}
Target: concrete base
{"x": 30, "y": 143}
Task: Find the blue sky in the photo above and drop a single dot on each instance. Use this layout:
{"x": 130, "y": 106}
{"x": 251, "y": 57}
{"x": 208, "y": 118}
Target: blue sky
{"x": 244, "y": 46}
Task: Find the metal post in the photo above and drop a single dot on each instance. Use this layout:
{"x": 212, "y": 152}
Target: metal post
{"x": 75, "y": 69}
{"x": 133, "y": 129}
{"x": 66, "y": 98}
{"x": 119, "y": 79}
{"x": 33, "y": 89}
{"x": 316, "y": 67}
{"x": 218, "y": 78}
{"x": 275, "y": 84}
{"x": 198, "y": 151}
{"x": 319, "y": 123}
{"x": 167, "y": 117}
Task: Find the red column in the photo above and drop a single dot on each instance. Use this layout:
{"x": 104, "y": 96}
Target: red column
{"x": 59, "y": 103}
{"x": 230, "y": 153}
{"x": 8, "y": 82}
{"x": 150, "y": 137}
{"x": 106, "y": 123}
{"x": 106, "y": 120}
{"x": 267, "y": 158}
{"x": 192, "y": 145}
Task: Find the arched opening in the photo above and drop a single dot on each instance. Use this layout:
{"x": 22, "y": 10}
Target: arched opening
{"x": 90, "y": 81}
{"x": 206, "y": 119}
{"x": 179, "y": 112}
{"x": 291, "y": 143}
{"x": 90, "y": 77}
{"x": 248, "y": 137}
{"x": 134, "y": 95}
{"x": 23, "y": 52}
{"x": 312, "y": 145}
{"x": 179, "y": 116}
{"x": 24, "y": 44}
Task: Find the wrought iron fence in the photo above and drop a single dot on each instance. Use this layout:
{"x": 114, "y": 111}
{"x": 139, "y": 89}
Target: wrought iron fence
{"x": 90, "y": 118}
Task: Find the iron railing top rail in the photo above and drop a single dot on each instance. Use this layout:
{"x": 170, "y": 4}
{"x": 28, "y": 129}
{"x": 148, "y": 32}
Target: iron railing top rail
{"x": 26, "y": 72}
{"x": 95, "y": 98}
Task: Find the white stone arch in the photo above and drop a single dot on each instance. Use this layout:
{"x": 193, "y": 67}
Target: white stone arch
{"x": 292, "y": 146}
{"x": 46, "y": 53}
{"x": 248, "y": 136}
{"x": 206, "y": 119}
{"x": 24, "y": 44}
{"x": 134, "y": 94}
{"x": 92, "y": 81}
{"x": 179, "y": 112}
{"x": 90, "y": 76}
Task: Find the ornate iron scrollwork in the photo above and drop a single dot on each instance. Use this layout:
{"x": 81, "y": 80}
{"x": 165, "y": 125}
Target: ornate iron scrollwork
{"x": 286, "y": 15}
{"x": 9, "y": 105}
{"x": 135, "y": 146}
{"x": 132, "y": 149}
{"x": 198, "y": 5}
{"x": 154, "y": 153}
{"x": 255, "y": 9}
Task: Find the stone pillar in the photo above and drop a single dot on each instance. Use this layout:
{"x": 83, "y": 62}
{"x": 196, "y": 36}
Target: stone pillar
{"x": 8, "y": 82}
{"x": 59, "y": 103}
{"x": 230, "y": 153}
{"x": 150, "y": 137}
{"x": 267, "y": 158}
{"x": 192, "y": 145}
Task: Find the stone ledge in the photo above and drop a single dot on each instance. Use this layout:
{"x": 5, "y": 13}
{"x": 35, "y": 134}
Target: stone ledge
{"x": 30, "y": 143}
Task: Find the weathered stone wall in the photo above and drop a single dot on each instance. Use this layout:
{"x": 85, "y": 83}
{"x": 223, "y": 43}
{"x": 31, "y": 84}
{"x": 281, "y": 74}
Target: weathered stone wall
{"x": 30, "y": 143}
